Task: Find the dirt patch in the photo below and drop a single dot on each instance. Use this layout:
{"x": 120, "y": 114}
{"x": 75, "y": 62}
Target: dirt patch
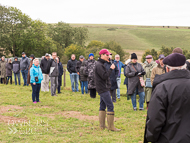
{"x": 74, "y": 114}
{"x": 9, "y": 119}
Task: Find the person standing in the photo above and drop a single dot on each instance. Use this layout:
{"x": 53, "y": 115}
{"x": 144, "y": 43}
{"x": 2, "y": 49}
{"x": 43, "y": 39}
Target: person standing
{"x": 3, "y": 70}
{"x": 148, "y": 67}
{"x": 119, "y": 66}
{"x": 113, "y": 78}
{"x": 54, "y": 73}
{"x": 103, "y": 85}
{"x": 24, "y": 65}
{"x": 133, "y": 71}
{"x": 32, "y": 57}
{"x": 9, "y": 71}
{"x": 77, "y": 68}
{"x": 89, "y": 69}
{"x": 126, "y": 78}
{"x": 159, "y": 69}
{"x": 168, "y": 112}
{"x": 35, "y": 79}
{"x": 45, "y": 72}
{"x": 16, "y": 70}
{"x": 60, "y": 67}
{"x": 74, "y": 77}
{"x": 83, "y": 78}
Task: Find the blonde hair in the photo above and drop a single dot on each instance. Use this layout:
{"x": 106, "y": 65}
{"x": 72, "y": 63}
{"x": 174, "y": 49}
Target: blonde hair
{"x": 36, "y": 59}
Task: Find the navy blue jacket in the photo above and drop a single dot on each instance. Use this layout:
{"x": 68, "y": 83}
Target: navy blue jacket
{"x": 113, "y": 76}
{"x": 60, "y": 68}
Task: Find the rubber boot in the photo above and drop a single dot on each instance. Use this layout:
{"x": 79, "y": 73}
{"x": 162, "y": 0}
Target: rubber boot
{"x": 102, "y": 118}
{"x": 110, "y": 120}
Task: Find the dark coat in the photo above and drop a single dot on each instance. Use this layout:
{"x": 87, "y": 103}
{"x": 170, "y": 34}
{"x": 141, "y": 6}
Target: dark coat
{"x": 133, "y": 80}
{"x": 188, "y": 65}
{"x": 9, "y": 69}
{"x": 168, "y": 111}
{"x": 44, "y": 65}
{"x": 102, "y": 77}
{"x": 16, "y": 66}
{"x": 126, "y": 78}
{"x": 89, "y": 69}
{"x": 113, "y": 76}
{"x": 83, "y": 75}
{"x": 54, "y": 71}
{"x": 28, "y": 77}
{"x": 71, "y": 66}
{"x": 78, "y": 65}
{"x": 60, "y": 67}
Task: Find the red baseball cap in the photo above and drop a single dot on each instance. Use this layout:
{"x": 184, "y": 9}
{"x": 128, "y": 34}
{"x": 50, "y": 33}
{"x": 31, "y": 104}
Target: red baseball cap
{"x": 104, "y": 51}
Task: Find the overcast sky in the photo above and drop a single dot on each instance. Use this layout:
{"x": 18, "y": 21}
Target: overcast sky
{"x": 128, "y": 12}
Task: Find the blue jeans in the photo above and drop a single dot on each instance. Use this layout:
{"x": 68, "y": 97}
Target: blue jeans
{"x": 105, "y": 100}
{"x": 74, "y": 81}
{"x": 141, "y": 100}
{"x": 35, "y": 92}
{"x": 24, "y": 75}
{"x": 84, "y": 84}
{"x": 18, "y": 76}
{"x": 118, "y": 89}
{"x": 9, "y": 77}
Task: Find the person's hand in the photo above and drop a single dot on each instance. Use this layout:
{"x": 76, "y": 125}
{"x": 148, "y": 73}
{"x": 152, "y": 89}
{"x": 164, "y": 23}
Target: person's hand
{"x": 78, "y": 73}
{"x": 34, "y": 83}
{"x": 136, "y": 73}
{"x": 112, "y": 66}
{"x": 140, "y": 73}
{"x": 143, "y": 73}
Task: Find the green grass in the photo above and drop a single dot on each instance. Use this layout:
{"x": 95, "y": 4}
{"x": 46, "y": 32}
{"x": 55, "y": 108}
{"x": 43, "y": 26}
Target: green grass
{"x": 61, "y": 128}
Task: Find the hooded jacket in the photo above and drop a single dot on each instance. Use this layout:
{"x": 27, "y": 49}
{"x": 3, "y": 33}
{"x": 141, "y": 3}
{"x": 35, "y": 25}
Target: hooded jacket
{"x": 169, "y": 112}
{"x": 35, "y": 71}
{"x": 16, "y": 67}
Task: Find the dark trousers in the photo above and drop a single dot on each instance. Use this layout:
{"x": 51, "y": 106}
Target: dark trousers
{"x": 113, "y": 95}
{"x": 17, "y": 75}
{"x": 84, "y": 84}
{"x": 59, "y": 89}
{"x": 93, "y": 93}
{"x": 105, "y": 101}
{"x": 3, "y": 80}
{"x": 35, "y": 92}
{"x": 24, "y": 75}
{"x": 9, "y": 77}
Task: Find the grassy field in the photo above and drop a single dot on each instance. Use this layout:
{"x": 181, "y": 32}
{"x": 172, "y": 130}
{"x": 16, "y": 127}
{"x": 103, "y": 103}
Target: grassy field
{"x": 70, "y": 117}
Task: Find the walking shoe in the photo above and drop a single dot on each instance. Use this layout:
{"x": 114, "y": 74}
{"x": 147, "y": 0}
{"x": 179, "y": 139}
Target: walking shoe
{"x": 141, "y": 109}
{"x": 135, "y": 108}
{"x": 110, "y": 120}
{"x": 34, "y": 102}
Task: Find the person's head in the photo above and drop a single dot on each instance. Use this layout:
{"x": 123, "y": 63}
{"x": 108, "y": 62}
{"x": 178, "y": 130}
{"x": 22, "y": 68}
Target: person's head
{"x": 47, "y": 56}
{"x": 91, "y": 56}
{"x": 36, "y": 61}
{"x": 134, "y": 58}
{"x": 73, "y": 57}
{"x": 32, "y": 57}
{"x": 3, "y": 58}
{"x": 175, "y": 61}
{"x": 81, "y": 58}
{"x": 177, "y": 50}
{"x": 54, "y": 55}
{"x": 104, "y": 54}
{"x": 16, "y": 58}
{"x": 160, "y": 59}
{"x": 149, "y": 58}
{"x": 23, "y": 54}
{"x": 9, "y": 61}
{"x": 117, "y": 57}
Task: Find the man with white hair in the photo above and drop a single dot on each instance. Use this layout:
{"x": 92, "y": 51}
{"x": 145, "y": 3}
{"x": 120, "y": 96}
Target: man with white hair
{"x": 169, "y": 112}
{"x": 119, "y": 66}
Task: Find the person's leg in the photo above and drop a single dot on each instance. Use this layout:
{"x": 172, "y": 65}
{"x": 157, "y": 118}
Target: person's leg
{"x": 93, "y": 93}
{"x": 26, "y": 75}
{"x": 82, "y": 86}
{"x": 11, "y": 79}
{"x": 38, "y": 92}
{"x": 7, "y": 80}
{"x": 133, "y": 100}
{"x": 52, "y": 85}
{"x": 56, "y": 84}
{"x": 86, "y": 86}
{"x": 113, "y": 94}
{"x": 43, "y": 83}
{"x": 47, "y": 83}
{"x": 58, "y": 89}
{"x": 23, "y": 76}
{"x": 141, "y": 101}
{"x": 118, "y": 89}
{"x": 15, "y": 79}
{"x": 76, "y": 82}
{"x": 72, "y": 82}
{"x": 18, "y": 75}
{"x": 33, "y": 92}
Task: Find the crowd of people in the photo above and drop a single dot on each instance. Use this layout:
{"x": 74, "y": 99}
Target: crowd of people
{"x": 154, "y": 81}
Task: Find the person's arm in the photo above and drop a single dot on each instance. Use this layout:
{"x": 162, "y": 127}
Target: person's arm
{"x": 153, "y": 75}
{"x": 77, "y": 67}
{"x": 122, "y": 65}
{"x": 116, "y": 71}
{"x": 32, "y": 78}
{"x": 103, "y": 73}
{"x": 68, "y": 67}
{"x": 156, "y": 115}
{"x": 28, "y": 64}
{"x": 61, "y": 73}
{"x": 130, "y": 73}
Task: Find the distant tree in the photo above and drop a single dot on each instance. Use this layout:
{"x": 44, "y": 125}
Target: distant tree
{"x": 166, "y": 50}
{"x": 187, "y": 55}
{"x": 152, "y": 52}
{"x": 95, "y": 43}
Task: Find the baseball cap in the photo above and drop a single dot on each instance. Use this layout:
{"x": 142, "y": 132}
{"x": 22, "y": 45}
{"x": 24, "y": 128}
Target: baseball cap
{"x": 104, "y": 51}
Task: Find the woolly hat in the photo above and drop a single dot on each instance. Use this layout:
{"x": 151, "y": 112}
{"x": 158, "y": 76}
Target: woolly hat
{"x": 133, "y": 56}
{"x": 175, "y": 60}
{"x": 91, "y": 54}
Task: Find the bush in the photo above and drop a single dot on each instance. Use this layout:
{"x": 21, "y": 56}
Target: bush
{"x": 152, "y": 52}
{"x": 74, "y": 49}
{"x": 96, "y": 44}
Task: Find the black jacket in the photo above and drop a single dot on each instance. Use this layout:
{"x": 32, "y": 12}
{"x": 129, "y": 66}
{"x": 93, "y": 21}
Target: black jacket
{"x": 102, "y": 77}
{"x": 71, "y": 65}
{"x": 78, "y": 65}
{"x": 83, "y": 75}
{"x": 168, "y": 111}
{"x": 113, "y": 76}
{"x": 45, "y": 66}
{"x": 60, "y": 68}
{"x": 16, "y": 67}
{"x": 188, "y": 65}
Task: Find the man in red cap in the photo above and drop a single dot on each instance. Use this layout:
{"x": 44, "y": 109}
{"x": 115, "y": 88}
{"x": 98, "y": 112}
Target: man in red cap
{"x": 103, "y": 85}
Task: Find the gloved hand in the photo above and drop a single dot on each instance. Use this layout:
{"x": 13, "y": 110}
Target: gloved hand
{"x": 143, "y": 73}
{"x": 136, "y": 73}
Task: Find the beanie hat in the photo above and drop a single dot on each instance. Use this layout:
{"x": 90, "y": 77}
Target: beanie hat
{"x": 133, "y": 56}
{"x": 175, "y": 60}
{"x": 91, "y": 54}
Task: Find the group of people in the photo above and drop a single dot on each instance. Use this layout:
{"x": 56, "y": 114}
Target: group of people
{"x": 37, "y": 74}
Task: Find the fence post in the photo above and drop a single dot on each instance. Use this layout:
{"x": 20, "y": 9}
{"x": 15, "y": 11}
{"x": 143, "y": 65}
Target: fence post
{"x": 64, "y": 77}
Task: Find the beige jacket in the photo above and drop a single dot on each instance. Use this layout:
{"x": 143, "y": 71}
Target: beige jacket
{"x": 156, "y": 70}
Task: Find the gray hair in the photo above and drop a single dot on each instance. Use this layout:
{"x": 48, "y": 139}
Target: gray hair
{"x": 117, "y": 55}
{"x": 184, "y": 67}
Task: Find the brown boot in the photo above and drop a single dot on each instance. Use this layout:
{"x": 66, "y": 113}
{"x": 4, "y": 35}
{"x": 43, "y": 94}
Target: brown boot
{"x": 102, "y": 118}
{"x": 110, "y": 119}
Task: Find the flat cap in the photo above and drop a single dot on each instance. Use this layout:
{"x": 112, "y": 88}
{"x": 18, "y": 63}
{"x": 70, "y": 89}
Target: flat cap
{"x": 175, "y": 60}
{"x": 149, "y": 57}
